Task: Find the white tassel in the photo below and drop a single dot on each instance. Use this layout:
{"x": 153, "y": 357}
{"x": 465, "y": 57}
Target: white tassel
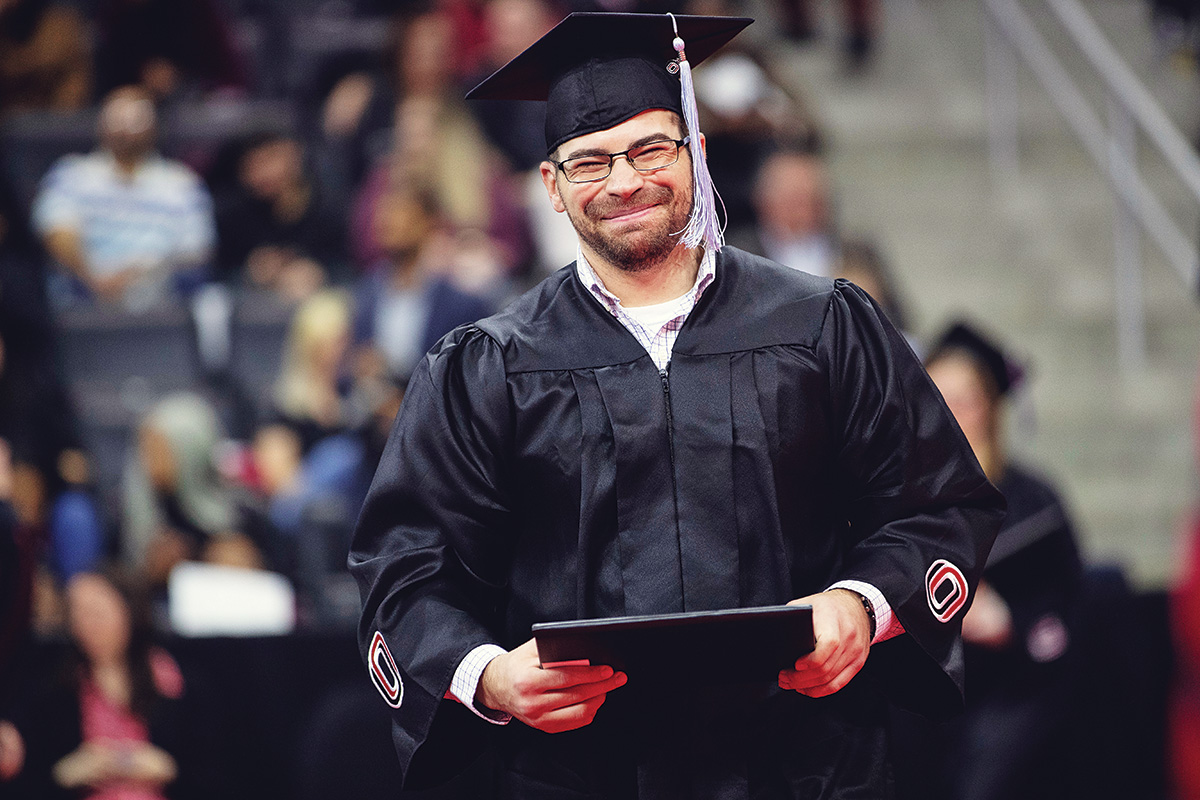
{"x": 704, "y": 226}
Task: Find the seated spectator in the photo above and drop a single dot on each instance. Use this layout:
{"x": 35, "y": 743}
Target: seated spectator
{"x": 308, "y": 460}
{"x": 747, "y": 109}
{"x": 45, "y": 63}
{"x": 408, "y": 301}
{"x": 170, "y": 48}
{"x": 51, "y": 469}
{"x": 357, "y": 95}
{"x": 515, "y": 129}
{"x": 435, "y": 143}
{"x": 861, "y": 18}
{"x": 109, "y": 724}
{"x": 275, "y": 226}
{"x": 1183, "y": 723}
{"x": 14, "y": 594}
{"x": 1012, "y": 740}
{"x": 176, "y": 504}
{"x": 792, "y": 204}
{"x": 310, "y": 396}
{"x": 128, "y": 225}
{"x": 860, "y": 262}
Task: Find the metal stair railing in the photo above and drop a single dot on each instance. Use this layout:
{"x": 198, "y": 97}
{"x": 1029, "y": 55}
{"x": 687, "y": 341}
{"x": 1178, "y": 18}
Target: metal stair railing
{"x": 1130, "y": 108}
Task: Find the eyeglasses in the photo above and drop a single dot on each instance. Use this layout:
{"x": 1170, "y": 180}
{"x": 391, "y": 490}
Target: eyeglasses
{"x": 648, "y": 157}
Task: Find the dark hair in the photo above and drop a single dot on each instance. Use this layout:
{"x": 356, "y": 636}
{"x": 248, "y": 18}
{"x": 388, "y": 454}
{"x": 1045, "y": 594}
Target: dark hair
{"x": 144, "y": 694}
{"x": 994, "y": 366}
{"x": 864, "y": 256}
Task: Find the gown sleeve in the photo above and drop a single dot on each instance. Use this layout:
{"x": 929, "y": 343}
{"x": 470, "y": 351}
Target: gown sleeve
{"x": 429, "y": 551}
{"x": 922, "y": 515}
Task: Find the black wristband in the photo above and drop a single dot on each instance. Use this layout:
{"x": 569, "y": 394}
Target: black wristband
{"x": 870, "y": 609}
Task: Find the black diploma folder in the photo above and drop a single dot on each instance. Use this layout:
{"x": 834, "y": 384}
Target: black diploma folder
{"x": 728, "y": 646}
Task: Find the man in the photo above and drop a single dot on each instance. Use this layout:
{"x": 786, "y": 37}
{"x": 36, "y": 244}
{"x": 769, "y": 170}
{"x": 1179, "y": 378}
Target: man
{"x": 794, "y": 225}
{"x": 665, "y": 426}
{"x": 408, "y": 301}
{"x": 130, "y": 226}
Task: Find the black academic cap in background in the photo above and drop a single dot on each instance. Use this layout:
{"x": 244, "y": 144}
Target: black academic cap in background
{"x": 962, "y": 337}
{"x": 596, "y": 70}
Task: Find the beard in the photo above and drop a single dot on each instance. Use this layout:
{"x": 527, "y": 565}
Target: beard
{"x": 642, "y": 246}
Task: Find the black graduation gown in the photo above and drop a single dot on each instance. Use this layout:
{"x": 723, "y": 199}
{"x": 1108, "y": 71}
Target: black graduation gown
{"x": 1014, "y": 740}
{"x": 1015, "y": 735}
{"x": 541, "y": 468}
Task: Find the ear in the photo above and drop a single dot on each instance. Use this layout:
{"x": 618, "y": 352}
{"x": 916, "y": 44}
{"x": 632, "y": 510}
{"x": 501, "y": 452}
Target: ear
{"x": 549, "y": 174}
{"x": 703, "y": 145}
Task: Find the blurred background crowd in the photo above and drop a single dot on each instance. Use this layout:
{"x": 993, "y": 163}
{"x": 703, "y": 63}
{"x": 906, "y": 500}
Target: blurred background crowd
{"x": 229, "y": 229}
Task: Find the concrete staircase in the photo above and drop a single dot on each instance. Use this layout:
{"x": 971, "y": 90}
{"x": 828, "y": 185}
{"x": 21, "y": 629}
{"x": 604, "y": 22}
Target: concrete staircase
{"x": 1031, "y": 260}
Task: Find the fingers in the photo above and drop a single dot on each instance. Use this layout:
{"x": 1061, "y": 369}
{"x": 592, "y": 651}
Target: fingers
{"x": 571, "y": 706}
{"x": 841, "y": 649}
{"x": 825, "y": 670}
{"x": 789, "y": 680}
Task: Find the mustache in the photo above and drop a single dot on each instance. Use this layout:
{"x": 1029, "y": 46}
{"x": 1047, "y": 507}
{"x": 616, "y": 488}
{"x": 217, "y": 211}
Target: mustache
{"x": 648, "y": 195}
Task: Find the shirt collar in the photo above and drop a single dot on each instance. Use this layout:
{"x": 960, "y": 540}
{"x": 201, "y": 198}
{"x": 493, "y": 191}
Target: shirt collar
{"x": 151, "y": 159}
{"x": 704, "y": 276}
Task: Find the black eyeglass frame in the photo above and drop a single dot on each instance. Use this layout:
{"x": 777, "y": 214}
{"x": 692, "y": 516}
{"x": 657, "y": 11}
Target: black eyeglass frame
{"x": 612, "y": 158}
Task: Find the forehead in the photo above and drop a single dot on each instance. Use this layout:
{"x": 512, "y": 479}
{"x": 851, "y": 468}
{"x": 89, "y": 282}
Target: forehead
{"x": 618, "y": 137}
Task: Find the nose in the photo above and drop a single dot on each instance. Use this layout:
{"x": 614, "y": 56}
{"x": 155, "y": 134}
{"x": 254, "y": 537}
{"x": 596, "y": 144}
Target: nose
{"x": 624, "y": 180}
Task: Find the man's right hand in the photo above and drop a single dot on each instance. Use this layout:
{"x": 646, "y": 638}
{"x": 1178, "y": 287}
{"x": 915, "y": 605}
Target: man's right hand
{"x": 551, "y": 700}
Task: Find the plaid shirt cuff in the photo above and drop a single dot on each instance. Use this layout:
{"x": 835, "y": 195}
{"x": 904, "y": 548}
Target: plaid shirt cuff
{"x": 466, "y": 680}
{"x": 887, "y": 625}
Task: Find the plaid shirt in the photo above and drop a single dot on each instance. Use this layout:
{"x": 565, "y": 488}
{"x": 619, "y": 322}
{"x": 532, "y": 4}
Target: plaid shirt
{"x": 657, "y": 343}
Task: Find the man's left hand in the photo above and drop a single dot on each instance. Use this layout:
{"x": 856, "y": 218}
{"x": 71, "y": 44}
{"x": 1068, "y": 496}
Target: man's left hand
{"x": 843, "y": 639}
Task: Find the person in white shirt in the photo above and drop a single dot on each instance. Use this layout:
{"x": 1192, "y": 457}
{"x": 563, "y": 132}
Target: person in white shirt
{"x": 123, "y": 221}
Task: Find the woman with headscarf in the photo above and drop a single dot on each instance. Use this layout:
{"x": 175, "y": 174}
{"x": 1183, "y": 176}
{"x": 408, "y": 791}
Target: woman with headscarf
{"x": 176, "y": 505}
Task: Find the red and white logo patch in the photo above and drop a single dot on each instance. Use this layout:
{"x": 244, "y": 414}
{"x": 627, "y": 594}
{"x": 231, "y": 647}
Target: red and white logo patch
{"x": 946, "y": 590}
{"x": 384, "y": 673}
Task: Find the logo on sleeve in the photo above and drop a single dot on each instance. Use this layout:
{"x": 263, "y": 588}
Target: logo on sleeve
{"x": 384, "y": 673}
{"x": 946, "y": 590}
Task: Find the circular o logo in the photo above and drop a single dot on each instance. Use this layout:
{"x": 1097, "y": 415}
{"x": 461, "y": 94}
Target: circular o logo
{"x": 945, "y": 589}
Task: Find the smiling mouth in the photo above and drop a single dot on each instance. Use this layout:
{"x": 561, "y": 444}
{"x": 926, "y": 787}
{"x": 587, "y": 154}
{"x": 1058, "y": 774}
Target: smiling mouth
{"x": 630, "y": 214}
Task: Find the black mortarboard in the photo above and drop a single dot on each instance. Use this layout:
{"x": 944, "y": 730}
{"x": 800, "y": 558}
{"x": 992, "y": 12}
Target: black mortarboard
{"x": 961, "y": 337}
{"x": 596, "y": 70}
{"x": 599, "y": 69}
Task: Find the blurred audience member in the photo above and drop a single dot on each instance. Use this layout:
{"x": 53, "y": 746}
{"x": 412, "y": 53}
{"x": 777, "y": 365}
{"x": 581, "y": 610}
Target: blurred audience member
{"x": 109, "y": 724}
{"x": 747, "y": 110}
{"x": 51, "y": 470}
{"x": 1183, "y": 722}
{"x": 170, "y": 48}
{"x": 45, "y": 58}
{"x": 407, "y": 302}
{"x": 861, "y": 21}
{"x": 309, "y": 458}
{"x": 176, "y": 504}
{"x": 127, "y": 224}
{"x": 1012, "y": 740}
{"x": 276, "y": 229}
{"x": 310, "y": 393}
{"x": 517, "y": 130}
{"x": 436, "y": 143}
{"x": 14, "y": 586}
{"x": 793, "y": 210}
{"x": 359, "y": 109}
{"x": 860, "y": 262}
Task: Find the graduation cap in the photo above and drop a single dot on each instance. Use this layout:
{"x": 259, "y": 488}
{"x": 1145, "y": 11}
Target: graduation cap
{"x": 596, "y": 70}
{"x": 962, "y": 338}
